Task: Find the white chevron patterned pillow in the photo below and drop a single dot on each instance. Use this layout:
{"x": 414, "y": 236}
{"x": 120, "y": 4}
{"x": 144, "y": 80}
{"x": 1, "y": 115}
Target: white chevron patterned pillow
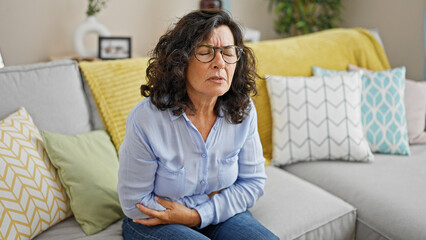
{"x": 31, "y": 196}
{"x": 317, "y": 118}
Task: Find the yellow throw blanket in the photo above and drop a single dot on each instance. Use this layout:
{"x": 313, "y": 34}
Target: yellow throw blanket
{"x": 115, "y": 84}
{"x": 295, "y": 56}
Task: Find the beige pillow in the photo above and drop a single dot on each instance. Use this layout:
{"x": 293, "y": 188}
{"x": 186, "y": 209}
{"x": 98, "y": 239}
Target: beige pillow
{"x": 415, "y": 108}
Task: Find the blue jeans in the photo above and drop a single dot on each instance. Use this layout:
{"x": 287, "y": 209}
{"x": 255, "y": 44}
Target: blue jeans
{"x": 240, "y": 226}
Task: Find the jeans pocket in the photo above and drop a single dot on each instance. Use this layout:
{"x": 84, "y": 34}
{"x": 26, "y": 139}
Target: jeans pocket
{"x": 169, "y": 183}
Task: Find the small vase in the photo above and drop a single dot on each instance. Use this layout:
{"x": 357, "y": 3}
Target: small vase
{"x": 91, "y": 25}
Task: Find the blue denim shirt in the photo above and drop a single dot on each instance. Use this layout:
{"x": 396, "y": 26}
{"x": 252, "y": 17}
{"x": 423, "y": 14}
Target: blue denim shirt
{"x": 165, "y": 155}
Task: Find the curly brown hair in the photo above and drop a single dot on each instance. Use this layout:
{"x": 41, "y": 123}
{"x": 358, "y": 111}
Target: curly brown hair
{"x": 166, "y": 71}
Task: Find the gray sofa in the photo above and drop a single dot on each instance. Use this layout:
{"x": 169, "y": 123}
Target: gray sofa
{"x": 59, "y": 101}
{"x": 384, "y": 199}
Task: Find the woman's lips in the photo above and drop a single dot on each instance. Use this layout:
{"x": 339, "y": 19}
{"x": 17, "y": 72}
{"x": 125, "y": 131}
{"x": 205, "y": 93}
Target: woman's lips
{"x": 216, "y": 79}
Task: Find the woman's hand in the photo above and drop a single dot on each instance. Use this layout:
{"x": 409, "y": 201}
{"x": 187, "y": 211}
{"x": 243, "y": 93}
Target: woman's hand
{"x": 213, "y": 193}
{"x": 175, "y": 213}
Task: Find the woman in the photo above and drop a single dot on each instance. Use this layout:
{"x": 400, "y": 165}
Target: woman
{"x": 191, "y": 162}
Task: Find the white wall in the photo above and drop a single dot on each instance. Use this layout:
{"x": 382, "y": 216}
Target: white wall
{"x": 255, "y": 14}
{"x": 34, "y": 30}
{"x": 400, "y": 23}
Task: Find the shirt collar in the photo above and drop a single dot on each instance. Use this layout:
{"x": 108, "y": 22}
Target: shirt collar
{"x": 174, "y": 117}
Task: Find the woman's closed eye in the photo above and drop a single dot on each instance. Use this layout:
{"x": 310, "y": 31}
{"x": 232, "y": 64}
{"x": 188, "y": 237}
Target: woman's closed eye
{"x": 205, "y": 53}
{"x": 228, "y": 54}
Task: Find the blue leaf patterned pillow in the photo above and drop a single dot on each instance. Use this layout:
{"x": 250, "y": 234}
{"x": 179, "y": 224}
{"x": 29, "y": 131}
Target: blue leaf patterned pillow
{"x": 383, "y": 110}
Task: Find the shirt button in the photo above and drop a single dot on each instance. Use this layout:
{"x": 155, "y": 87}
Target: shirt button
{"x": 203, "y": 155}
{"x": 202, "y": 182}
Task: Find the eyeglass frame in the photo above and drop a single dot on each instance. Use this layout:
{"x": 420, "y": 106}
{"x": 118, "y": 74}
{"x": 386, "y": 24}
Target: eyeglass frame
{"x": 237, "y": 48}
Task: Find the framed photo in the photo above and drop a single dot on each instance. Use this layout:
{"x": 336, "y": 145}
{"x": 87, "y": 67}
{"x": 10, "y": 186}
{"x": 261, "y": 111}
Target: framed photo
{"x": 114, "y": 48}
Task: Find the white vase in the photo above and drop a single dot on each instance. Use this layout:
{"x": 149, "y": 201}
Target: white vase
{"x": 91, "y": 25}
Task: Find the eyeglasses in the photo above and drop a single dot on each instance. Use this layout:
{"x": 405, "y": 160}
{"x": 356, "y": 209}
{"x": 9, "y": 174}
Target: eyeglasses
{"x": 230, "y": 54}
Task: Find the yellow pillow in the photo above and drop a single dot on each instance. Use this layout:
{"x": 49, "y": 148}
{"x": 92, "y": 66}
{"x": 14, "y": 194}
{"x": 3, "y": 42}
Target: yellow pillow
{"x": 115, "y": 86}
{"x": 31, "y": 196}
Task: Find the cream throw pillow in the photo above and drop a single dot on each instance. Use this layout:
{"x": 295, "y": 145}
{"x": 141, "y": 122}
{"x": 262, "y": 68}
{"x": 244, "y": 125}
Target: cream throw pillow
{"x": 31, "y": 197}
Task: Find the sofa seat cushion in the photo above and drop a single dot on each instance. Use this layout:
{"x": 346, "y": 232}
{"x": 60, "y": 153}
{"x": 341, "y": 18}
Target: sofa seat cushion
{"x": 388, "y": 193}
{"x": 295, "y": 209}
{"x": 70, "y": 229}
{"x": 51, "y": 92}
{"x": 291, "y": 208}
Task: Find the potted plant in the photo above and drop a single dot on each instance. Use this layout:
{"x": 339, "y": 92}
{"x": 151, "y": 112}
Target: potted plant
{"x": 296, "y": 17}
{"x": 95, "y": 6}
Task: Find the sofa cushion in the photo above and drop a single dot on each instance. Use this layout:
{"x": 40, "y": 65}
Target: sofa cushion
{"x": 95, "y": 117}
{"x": 317, "y": 118}
{"x": 291, "y": 208}
{"x": 88, "y": 169}
{"x": 31, "y": 197}
{"x": 295, "y": 56}
{"x": 115, "y": 86}
{"x": 388, "y": 193}
{"x": 295, "y": 209}
{"x": 51, "y": 92}
{"x": 71, "y": 230}
{"x": 383, "y": 110}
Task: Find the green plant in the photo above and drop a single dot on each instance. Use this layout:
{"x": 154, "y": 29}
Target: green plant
{"x": 95, "y": 7}
{"x": 296, "y": 17}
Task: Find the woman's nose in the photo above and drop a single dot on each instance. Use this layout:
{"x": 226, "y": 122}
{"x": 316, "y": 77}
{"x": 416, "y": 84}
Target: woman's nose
{"x": 218, "y": 61}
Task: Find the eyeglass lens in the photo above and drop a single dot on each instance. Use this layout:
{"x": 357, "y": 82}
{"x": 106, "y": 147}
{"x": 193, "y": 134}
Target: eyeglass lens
{"x": 206, "y": 53}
